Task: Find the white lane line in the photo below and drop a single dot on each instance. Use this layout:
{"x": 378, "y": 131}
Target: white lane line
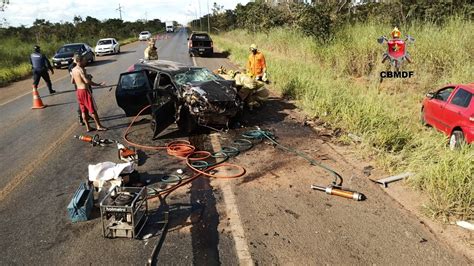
{"x": 237, "y": 230}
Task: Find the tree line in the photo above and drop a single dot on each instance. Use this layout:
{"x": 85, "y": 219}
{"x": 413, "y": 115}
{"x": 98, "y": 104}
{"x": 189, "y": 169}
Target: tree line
{"x": 322, "y": 18}
{"x": 88, "y": 30}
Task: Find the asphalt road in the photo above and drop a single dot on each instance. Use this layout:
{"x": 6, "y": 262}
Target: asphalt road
{"x": 270, "y": 214}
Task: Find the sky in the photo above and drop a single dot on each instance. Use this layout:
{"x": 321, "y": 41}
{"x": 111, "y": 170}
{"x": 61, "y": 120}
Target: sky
{"x": 24, "y": 12}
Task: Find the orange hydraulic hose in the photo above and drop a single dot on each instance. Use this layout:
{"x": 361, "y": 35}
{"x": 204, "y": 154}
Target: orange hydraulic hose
{"x": 183, "y": 149}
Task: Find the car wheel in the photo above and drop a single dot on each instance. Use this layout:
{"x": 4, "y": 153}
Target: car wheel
{"x": 422, "y": 117}
{"x": 456, "y": 140}
{"x": 118, "y": 52}
{"x": 186, "y": 122}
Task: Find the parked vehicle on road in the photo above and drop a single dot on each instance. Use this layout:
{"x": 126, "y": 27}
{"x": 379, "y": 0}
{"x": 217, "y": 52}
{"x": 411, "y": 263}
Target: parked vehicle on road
{"x": 169, "y": 26}
{"x": 63, "y": 57}
{"x": 144, "y": 36}
{"x": 107, "y": 46}
{"x": 190, "y": 96}
{"x": 451, "y": 110}
{"x": 200, "y": 44}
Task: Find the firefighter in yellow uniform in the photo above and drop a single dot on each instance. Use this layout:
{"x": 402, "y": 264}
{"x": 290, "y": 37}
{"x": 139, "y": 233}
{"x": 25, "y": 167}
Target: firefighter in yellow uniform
{"x": 250, "y": 90}
{"x": 151, "y": 52}
{"x": 256, "y": 65}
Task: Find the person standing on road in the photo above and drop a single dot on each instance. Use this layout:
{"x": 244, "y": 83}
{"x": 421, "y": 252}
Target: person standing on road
{"x": 70, "y": 68}
{"x": 83, "y": 83}
{"x": 256, "y": 65}
{"x": 40, "y": 66}
{"x": 151, "y": 52}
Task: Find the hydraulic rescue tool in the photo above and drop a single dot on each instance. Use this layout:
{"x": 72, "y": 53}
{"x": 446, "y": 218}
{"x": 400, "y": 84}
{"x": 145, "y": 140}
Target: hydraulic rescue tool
{"x": 334, "y": 189}
{"x": 338, "y": 191}
{"x": 95, "y": 140}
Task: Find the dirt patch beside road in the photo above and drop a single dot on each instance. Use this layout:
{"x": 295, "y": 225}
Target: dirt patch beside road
{"x": 287, "y": 222}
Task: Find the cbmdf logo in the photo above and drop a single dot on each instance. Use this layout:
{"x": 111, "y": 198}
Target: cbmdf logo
{"x": 396, "y": 54}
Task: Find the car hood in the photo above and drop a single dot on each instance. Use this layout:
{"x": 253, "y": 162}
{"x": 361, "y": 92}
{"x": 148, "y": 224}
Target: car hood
{"x": 64, "y": 55}
{"x": 106, "y": 46}
{"x": 215, "y": 91}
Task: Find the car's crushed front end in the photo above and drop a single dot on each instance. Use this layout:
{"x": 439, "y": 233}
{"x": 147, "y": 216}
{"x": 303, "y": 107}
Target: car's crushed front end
{"x": 212, "y": 102}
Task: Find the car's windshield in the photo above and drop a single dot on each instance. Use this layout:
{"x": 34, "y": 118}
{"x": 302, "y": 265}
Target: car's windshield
{"x": 104, "y": 42}
{"x": 195, "y": 75}
{"x": 70, "y": 48}
{"x": 144, "y": 32}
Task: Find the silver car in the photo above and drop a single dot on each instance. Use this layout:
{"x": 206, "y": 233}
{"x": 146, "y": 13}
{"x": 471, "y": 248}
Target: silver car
{"x": 144, "y": 35}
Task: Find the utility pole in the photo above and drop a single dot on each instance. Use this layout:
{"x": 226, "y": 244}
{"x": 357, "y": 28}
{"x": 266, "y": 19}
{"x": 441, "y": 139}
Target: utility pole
{"x": 200, "y": 15}
{"x": 208, "y": 18}
{"x": 119, "y": 9}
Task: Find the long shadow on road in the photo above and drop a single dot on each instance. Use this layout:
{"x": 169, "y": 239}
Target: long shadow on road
{"x": 204, "y": 232}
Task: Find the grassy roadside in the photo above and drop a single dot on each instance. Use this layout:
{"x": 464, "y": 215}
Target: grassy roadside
{"x": 338, "y": 82}
{"x": 14, "y": 54}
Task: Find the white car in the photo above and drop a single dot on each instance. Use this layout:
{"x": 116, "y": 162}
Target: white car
{"x": 144, "y": 35}
{"x": 107, "y": 46}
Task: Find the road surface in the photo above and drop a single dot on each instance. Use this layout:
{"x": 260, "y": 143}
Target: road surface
{"x": 270, "y": 216}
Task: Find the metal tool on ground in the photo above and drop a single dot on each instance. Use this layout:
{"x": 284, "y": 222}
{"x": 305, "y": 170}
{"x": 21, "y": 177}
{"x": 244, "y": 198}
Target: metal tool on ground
{"x": 95, "y": 140}
{"x": 124, "y": 212}
{"x": 334, "y": 189}
{"x": 390, "y": 179}
{"x": 337, "y": 191}
{"x": 127, "y": 155}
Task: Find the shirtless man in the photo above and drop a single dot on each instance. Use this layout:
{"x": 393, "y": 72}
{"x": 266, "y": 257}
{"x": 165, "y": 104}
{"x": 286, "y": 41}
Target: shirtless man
{"x": 84, "y": 97}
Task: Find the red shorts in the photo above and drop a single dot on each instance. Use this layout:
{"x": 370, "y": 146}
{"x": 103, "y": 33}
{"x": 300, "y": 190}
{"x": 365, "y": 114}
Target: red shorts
{"x": 85, "y": 100}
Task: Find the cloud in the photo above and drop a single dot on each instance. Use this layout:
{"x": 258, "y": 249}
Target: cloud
{"x": 24, "y": 12}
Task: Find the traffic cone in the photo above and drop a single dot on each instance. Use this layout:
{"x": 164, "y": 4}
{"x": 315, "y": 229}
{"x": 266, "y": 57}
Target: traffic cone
{"x": 37, "y": 102}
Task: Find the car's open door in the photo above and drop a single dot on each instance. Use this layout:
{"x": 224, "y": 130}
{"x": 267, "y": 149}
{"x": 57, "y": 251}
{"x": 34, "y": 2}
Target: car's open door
{"x": 132, "y": 93}
{"x": 164, "y": 105}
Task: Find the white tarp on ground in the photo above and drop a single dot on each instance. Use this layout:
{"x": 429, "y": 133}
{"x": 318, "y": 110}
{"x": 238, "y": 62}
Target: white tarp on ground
{"x": 106, "y": 171}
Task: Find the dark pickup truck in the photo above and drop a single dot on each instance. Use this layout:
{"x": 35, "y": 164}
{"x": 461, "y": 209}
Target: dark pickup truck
{"x": 200, "y": 44}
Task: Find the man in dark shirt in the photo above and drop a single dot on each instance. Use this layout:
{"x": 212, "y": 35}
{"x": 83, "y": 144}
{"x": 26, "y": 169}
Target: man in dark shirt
{"x": 40, "y": 65}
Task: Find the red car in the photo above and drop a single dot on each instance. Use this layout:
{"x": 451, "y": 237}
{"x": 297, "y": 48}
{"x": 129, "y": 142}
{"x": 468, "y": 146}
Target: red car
{"x": 451, "y": 110}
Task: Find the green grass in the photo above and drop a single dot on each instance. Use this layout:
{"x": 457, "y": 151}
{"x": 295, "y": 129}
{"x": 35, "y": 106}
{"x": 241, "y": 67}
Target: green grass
{"x": 339, "y": 82}
{"x": 14, "y": 56}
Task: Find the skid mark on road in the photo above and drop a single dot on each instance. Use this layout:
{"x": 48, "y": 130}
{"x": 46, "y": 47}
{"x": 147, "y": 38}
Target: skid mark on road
{"x": 23, "y": 175}
{"x": 232, "y": 211}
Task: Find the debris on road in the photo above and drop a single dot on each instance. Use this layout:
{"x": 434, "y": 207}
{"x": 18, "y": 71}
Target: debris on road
{"x": 390, "y": 179}
{"x": 465, "y": 224}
